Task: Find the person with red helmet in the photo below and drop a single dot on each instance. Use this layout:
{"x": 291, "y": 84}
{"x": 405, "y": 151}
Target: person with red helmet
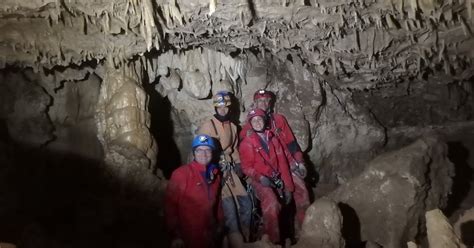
{"x": 264, "y": 161}
{"x": 236, "y": 203}
{"x": 192, "y": 208}
{"x": 278, "y": 124}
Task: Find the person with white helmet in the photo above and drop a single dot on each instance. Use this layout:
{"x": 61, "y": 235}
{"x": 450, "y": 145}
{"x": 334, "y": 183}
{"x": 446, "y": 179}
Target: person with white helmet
{"x": 192, "y": 207}
{"x": 236, "y": 203}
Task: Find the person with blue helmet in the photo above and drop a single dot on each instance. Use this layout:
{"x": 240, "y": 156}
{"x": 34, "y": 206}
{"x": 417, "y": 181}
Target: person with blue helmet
{"x": 236, "y": 203}
{"x": 192, "y": 207}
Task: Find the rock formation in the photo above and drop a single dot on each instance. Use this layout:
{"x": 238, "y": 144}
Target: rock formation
{"x": 389, "y": 198}
{"x": 106, "y": 83}
{"x": 440, "y": 232}
{"x": 322, "y": 225}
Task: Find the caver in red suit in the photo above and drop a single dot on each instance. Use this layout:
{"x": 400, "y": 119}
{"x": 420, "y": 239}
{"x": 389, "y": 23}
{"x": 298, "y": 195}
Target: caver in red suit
{"x": 263, "y": 157}
{"x": 192, "y": 208}
{"x": 278, "y": 124}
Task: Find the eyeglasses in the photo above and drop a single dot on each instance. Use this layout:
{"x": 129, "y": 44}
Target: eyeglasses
{"x": 202, "y": 151}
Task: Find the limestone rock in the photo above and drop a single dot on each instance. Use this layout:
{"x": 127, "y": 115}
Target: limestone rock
{"x": 370, "y": 244}
{"x": 196, "y": 85}
{"x": 440, "y": 232}
{"x": 122, "y": 116}
{"x": 412, "y": 244}
{"x": 346, "y": 136}
{"x": 7, "y": 245}
{"x": 464, "y": 228}
{"x": 72, "y": 114}
{"x": 389, "y": 198}
{"x": 322, "y": 225}
{"x": 24, "y": 107}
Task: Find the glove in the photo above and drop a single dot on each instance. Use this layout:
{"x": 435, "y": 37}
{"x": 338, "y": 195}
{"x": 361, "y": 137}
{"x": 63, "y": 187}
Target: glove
{"x": 267, "y": 182}
{"x": 177, "y": 243}
{"x": 301, "y": 170}
{"x": 238, "y": 170}
{"x": 211, "y": 173}
{"x": 288, "y": 197}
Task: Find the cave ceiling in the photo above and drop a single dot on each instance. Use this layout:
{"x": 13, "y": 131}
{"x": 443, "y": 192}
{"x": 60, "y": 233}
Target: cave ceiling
{"x": 351, "y": 44}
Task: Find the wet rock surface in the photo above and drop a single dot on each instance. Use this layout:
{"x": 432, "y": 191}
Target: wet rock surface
{"x": 388, "y": 200}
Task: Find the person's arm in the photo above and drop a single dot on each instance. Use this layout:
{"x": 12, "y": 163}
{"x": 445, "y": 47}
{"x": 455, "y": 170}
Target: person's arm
{"x": 174, "y": 191}
{"x": 291, "y": 143}
{"x": 244, "y": 131}
{"x": 248, "y": 161}
{"x": 283, "y": 167}
{"x": 235, "y": 146}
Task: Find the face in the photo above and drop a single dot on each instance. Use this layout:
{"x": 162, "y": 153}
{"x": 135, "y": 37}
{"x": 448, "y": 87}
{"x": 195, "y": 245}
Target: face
{"x": 203, "y": 155}
{"x": 258, "y": 124}
{"x": 263, "y": 103}
{"x": 222, "y": 111}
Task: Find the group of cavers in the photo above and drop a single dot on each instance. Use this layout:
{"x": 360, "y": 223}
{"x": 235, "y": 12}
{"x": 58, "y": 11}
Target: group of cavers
{"x": 239, "y": 185}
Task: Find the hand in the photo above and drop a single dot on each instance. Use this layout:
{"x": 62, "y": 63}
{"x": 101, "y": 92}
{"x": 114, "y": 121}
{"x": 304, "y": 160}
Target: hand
{"x": 177, "y": 243}
{"x": 267, "y": 182}
{"x": 302, "y": 171}
{"x": 288, "y": 197}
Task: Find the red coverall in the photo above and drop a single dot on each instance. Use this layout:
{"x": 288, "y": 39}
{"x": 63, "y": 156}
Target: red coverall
{"x": 192, "y": 206}
{"x": 258, "y": 161}
{"x": 280, "y": 127}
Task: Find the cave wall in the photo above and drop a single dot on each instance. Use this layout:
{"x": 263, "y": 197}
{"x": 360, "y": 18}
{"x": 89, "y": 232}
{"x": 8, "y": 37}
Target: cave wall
{"x": 319, "y": 52}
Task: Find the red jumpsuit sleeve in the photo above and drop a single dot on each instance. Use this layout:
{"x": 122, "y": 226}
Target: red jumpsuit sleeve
{"x": 289, "y": 138}
{"x": 283, "y": 167}
{"x": 248, "y": 160}
{"x": 243, "y": 132}
{"x": 174, "y": 191}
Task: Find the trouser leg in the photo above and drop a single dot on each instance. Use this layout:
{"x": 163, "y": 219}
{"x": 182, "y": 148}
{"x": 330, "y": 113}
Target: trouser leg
{"x": 270, "y": 211}
{"x": 301, "y": 197}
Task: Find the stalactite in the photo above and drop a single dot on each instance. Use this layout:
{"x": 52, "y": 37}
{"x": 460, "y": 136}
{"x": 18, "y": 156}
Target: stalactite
{"x": 212, "y": 6}
{"x": 469, "y": 10}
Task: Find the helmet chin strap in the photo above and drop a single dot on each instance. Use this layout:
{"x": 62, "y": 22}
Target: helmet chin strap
{"x": 222, "y": 118}
{"x": 261, "y": 131}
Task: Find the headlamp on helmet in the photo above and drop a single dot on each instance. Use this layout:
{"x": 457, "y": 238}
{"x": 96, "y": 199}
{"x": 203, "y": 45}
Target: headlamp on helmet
{"x": 221, "y": 99}
{"x": 203, "y": 140}
{"x": 262, "y": 93}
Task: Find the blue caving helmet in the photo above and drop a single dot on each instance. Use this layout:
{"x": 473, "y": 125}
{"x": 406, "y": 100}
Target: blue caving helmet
{"x": 221, "y": 99}
{"x": 204, "y": 140}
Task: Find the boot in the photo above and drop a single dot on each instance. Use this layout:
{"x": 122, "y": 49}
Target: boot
{"x": 235, "y": 240}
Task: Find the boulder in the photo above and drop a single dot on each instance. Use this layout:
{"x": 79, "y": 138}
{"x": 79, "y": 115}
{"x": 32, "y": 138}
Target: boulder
{"x": 464, "y": 227}
{"x": 389, "y": 198}
{"x": 440, "y": 232}
{"x": 322, "y": 225}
